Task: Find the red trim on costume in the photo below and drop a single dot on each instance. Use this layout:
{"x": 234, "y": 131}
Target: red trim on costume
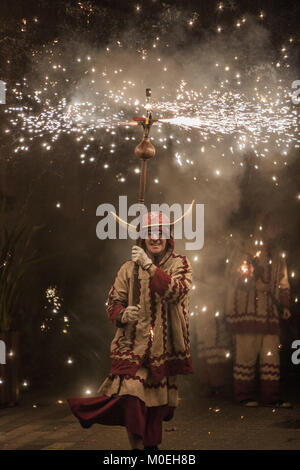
{"x": 123, "y": 366}
{"x": 114, "y": 313}
{"x": 120, "y": 337}
{"x": 242, "y": 366}
{"x": 160, "y": 281}
{"x": 253, "y": 326}
{"x": 270, "y": 370}
{"x": 145, "y": 384}
{"x": 169, "y": 355}
{"x": 169, "y": 367}
{"x": 267, "y": 364}
{"x": 175, "y": 367}
{"x": 243, "y": 374}
{"x": 126, "y": 411}
{"x": 164, "y": 326}
{"x": 117, "y": 356}
{"x": 134, "y": 326}
{"x": 185, "y": 337}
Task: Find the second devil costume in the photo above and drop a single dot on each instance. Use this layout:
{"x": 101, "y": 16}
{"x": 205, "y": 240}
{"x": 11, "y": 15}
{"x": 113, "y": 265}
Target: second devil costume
{"x": 254, "y": 318}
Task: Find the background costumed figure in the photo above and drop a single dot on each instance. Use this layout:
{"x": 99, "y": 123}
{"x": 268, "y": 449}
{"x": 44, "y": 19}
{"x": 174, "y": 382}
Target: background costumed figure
{"x": 258, "y": 294}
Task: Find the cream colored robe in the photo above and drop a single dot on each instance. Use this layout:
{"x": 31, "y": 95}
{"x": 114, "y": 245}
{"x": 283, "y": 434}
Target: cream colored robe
{"x": 148, "y": 354}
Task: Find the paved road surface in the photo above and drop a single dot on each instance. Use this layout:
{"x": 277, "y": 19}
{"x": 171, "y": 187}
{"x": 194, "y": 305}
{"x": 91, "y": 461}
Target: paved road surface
{"x": 199, "y": 423}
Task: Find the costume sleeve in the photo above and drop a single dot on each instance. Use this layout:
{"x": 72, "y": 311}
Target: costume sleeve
{"x": 175, "y": 286}
{"x": 284, "y": 287}
{"x": 118, "y": 296}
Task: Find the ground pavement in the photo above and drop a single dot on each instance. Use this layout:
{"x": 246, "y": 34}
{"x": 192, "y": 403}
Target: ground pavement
{"x": 41, "y": 422}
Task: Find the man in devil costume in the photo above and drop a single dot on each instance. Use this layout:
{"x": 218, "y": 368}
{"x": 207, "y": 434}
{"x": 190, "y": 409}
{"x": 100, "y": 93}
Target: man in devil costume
{"x": 258, "y": 295}
{"x": 151, "y": 345}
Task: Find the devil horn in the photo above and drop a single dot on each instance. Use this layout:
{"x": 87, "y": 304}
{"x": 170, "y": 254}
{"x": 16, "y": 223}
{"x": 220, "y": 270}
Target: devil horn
{"x": 185, "y": 214}
{"x": 123, "y": 222}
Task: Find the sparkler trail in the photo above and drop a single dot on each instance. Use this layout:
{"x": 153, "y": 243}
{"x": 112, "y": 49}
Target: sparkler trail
{"x": 219, "y": 114}
{"x": 93, "y": 97}
{"x": 229, "y": 112}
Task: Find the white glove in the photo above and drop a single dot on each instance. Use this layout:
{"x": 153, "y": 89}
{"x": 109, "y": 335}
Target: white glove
{"x": 139, "y": 256}
{"x": 130, "y": 314}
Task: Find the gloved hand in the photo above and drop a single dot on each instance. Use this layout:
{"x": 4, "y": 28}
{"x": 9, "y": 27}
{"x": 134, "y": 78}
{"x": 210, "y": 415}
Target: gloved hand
{"x": 139, "y": 256}
{"x": 130, "y": 314}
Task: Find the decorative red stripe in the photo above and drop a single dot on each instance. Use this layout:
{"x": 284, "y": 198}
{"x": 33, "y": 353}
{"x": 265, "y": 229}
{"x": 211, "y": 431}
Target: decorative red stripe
{"x": 175, "y": 367}
{"x": 275, "y": 375}
{"x": 266, "y": 364}
{"x": 243, "y": 374}
{"x": 145, "y": 384}
{"x": 115, "y": 311}
{"x": 116, "y": 354}
{"x": 134, "y": 326}
{"x": 164, "y": 325}
{"x": 172, "y": 292}
{"x": 169, "y": 367}
{"x": 126, "y": 411}
{"x": 242, "y": 366}
{"x": 160, "y": 281}
{"x": 123, "y": 366}
{"x": 120, "y": 337}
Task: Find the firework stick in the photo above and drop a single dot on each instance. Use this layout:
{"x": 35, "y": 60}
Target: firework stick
{"x": 144, "y": 151}
{"x": 134, "y": 284}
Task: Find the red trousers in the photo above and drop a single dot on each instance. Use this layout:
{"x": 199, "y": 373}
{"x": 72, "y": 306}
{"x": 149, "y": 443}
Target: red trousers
{"x": 124, "y": 410}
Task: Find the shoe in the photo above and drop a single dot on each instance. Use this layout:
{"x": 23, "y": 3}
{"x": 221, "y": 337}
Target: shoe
{"x": 249, "y": 403}
{"x": 280, "y": 404}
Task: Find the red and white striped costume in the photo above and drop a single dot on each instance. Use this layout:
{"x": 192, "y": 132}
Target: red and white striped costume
{"x": 147, "y": 355}
{"x": 254, "y": 318}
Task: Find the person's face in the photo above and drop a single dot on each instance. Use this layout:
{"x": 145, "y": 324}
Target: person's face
{"x": 155, "y": 243}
